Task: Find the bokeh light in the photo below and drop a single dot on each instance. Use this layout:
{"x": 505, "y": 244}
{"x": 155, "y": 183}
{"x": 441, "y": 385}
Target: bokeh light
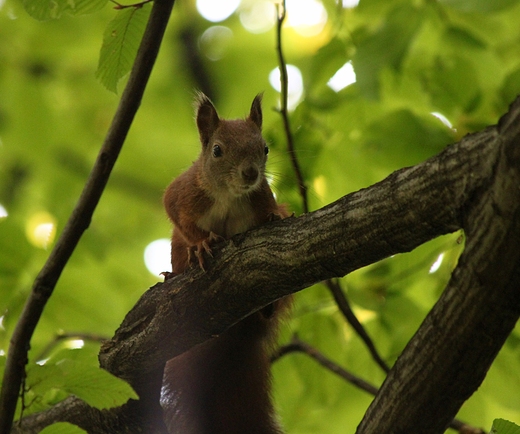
{"x": 157, "y": 256}
{"x": 41, "y": 229}
{"x": 306, "y": 17}
{"x": 258, "y": 17}
{"x": 215, "y": 41}
{"x": 295, "y": 84}
{"x": 3, "y": 211}
{"x": 217, "y": 10}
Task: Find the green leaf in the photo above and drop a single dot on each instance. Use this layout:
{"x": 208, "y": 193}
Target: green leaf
{"x": 44, "y": 10}
{"x": 501, "y": 426}
{"x": 120, "y": 43}
{"x": 62, "y": 428}
{"x": 95, "y": 386}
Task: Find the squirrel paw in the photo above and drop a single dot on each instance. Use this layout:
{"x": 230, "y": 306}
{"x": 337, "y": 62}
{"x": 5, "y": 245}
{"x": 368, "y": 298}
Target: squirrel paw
{"x": 197, "y": 251}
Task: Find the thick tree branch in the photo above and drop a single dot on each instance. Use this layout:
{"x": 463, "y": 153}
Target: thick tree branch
{"x": 82, "y": 213}
{"x": 410, "y": 207}
{"x": 447, "y": 359}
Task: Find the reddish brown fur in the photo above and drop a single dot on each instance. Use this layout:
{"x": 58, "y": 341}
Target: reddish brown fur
{"x": 222, "y": 386}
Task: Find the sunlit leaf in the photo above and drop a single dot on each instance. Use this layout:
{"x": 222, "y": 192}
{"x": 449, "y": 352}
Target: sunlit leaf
{"x": 120, "y": 43}
{"x": 95, "y": 386}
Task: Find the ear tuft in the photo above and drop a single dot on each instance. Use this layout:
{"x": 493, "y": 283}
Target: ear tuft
{"x": 207, "y": 117}
{"x": 256, "y": 110}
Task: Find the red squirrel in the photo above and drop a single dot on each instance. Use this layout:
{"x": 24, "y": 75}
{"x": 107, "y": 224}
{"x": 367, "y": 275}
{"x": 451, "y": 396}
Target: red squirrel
{"x": 223, "y": 385}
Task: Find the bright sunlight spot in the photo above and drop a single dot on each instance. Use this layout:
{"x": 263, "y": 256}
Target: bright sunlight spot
{"x": 259, "y": 17}
{"x": 74, "y": 344}
{"x": 443, "y": 119}
{"x": 436, "y": 265}
{"x": 215, "y": 40}
{"x": 295, "y": 79}
{"x": 157, "y": 256}
{"x": 3, "y": 211}
{"x": 41, "y": 229}
{"x": 307, "y": 17}
{"x": 217, "y": 10}
{"x": 343, "y": 77}
{"x": 350, "y": 3}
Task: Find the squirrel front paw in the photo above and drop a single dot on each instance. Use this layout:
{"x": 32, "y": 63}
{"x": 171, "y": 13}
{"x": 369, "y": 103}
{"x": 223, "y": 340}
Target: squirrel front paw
{"x": 197, "y": 251}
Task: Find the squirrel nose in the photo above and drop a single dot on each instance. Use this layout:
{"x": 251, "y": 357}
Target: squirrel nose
{"x": 250, "y": 174}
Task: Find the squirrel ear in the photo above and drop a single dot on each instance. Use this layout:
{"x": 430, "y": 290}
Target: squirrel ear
{"x": 207, "y": 118}
{"x": 256, "y": 110}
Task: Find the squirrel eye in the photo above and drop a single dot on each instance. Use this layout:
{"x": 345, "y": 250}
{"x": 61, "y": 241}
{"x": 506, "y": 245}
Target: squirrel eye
{"x": 217, "y": 151}
{"x": 266, "y": 150}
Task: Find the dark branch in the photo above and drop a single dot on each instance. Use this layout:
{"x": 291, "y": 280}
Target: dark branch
{"x": 346, "y": 310}
{"x": 447, "y": 359}
{"x": 80, "y": 218}
{"x": 297, "y": 345}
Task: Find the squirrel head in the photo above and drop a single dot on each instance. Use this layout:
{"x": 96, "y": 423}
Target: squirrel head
{"x": 234, "y": 152}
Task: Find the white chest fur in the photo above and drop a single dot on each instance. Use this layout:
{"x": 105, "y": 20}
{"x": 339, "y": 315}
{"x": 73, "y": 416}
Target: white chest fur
{"x": 229, "y": 215}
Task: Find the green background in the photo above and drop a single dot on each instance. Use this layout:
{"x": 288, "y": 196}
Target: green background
{"x": 460, "y": 58}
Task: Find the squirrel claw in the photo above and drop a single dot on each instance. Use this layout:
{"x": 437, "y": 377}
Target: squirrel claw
{"x": 167, "y": 275}
{"x": 203, "y": 247}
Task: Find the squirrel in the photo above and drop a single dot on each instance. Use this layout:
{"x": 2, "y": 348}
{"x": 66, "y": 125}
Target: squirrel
{"x": 222, "y": 386}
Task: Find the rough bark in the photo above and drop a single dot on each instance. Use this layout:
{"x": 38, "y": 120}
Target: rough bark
{"x": 473, "y": 185}
{"x": 447, "y": 359}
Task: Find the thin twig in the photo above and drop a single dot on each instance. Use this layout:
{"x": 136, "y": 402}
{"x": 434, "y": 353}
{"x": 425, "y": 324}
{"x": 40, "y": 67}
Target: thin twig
{"x": 284, "y": 81}
{"x": 297, "y": 345}
{"x": 80, "y": 218}
{"x": 346, "y": 310}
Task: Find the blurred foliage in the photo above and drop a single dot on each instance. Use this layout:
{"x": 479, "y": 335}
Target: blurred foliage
{"x": 459, "y": 59}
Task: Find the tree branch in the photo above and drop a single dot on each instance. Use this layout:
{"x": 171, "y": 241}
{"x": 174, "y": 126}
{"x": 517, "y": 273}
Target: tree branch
{"x": 447, "y": 359}
{"x": 284, "y": 111}
{"x": 297, "y": 345}
{"x": 408, "y": 208}
{"x": 344, "y": 306}
{"x": 81, "y": 215}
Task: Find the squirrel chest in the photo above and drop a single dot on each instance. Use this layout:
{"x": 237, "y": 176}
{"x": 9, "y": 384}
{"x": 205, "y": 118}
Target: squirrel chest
{"x": 228, "y": 215}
